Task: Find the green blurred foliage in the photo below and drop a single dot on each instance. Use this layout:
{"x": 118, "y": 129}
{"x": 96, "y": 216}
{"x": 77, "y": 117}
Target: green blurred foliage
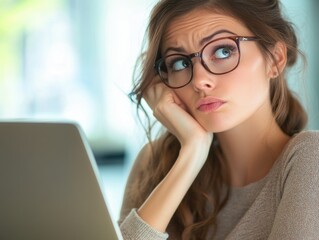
{"x": 16, "y": 18}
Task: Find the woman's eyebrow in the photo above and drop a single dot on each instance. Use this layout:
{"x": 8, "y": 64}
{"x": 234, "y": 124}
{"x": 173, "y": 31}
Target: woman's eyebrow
{"x": 210, "y": 37}
{"x": 202, "y": 41}
{"x": 175, "y": 49}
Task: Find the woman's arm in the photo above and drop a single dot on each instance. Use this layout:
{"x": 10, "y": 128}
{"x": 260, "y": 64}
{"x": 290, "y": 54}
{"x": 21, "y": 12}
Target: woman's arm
{"x": 162, "y": 203}
{"x": 160, "y": 206}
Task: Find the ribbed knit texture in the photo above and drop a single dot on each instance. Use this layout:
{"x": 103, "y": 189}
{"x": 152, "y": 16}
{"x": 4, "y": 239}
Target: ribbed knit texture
{"x": 134, "y": 228}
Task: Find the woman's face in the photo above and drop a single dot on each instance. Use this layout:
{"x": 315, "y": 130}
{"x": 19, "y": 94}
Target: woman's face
{"x": 220, "y": 102}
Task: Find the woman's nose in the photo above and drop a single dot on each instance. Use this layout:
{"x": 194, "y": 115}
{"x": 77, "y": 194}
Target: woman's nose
{"x": 202, "y": 79}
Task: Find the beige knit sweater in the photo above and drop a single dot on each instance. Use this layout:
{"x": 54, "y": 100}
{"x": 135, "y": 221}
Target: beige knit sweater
{"x": 283, "y": 205}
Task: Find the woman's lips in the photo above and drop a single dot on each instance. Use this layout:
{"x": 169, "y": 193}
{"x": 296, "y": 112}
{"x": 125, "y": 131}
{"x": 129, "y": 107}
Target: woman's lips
{"x": 209, "y": 104}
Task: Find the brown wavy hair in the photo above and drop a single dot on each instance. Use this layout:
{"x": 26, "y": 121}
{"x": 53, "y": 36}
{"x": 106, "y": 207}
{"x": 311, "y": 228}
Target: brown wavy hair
{"x": 264, "y": 19}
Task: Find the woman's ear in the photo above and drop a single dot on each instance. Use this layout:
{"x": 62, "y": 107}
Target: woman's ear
{"x": 279, "y": 61}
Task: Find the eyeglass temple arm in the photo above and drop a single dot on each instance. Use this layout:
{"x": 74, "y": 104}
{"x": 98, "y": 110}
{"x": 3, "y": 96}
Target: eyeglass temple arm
{"x": 248, "y": 38}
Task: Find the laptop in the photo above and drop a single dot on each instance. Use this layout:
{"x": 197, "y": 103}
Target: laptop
{"x": 49, "y": 184}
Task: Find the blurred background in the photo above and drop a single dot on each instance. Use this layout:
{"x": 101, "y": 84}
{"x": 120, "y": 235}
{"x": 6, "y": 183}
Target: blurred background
{"x": 73, "y": 60}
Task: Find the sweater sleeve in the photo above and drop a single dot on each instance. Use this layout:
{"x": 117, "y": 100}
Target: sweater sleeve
{"x": 297, "y": 216}
{"x": 134, "y": 228}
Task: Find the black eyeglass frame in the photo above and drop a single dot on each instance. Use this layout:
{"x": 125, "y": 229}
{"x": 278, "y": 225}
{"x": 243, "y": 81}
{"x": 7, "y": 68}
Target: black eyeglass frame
{"x": 199, "y": 54}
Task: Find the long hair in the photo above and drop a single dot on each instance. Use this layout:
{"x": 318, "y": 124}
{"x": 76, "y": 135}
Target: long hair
{"x": 264, "y": 19}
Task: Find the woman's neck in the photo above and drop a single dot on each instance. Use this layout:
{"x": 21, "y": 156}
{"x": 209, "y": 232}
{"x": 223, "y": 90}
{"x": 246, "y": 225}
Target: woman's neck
{"x": 251, "y": 149}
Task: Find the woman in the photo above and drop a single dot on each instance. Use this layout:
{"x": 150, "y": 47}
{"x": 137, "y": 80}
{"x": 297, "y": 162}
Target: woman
{"x": 234, "y": 162}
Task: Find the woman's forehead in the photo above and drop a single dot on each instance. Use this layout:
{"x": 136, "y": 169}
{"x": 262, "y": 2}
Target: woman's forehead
{"x": 199, "y": 24}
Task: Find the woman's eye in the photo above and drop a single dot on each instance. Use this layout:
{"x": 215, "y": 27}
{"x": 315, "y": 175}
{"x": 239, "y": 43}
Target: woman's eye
{"x": 223, "y": 52}
{"x": 179, "y": 64}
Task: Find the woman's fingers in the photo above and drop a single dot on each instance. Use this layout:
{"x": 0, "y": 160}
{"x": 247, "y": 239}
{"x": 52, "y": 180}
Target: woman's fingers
{"x": 171, "y": 112}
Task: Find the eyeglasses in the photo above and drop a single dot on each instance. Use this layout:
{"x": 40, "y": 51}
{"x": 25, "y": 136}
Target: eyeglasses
{"x": 218, "y": 57}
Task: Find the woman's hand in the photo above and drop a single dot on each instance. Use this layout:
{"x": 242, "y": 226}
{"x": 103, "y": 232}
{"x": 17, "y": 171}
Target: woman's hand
{"x": 172, "y": 113}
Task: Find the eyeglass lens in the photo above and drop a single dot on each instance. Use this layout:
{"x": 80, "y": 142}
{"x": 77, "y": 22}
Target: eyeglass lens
{"x": 218, "y": 57}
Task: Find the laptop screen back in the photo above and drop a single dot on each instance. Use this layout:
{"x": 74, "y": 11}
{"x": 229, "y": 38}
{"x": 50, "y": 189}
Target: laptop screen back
{"x": 49, "y": 184}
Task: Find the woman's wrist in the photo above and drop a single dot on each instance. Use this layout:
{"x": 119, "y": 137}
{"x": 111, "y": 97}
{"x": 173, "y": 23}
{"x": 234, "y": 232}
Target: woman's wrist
{"x": 195, "y": 152}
